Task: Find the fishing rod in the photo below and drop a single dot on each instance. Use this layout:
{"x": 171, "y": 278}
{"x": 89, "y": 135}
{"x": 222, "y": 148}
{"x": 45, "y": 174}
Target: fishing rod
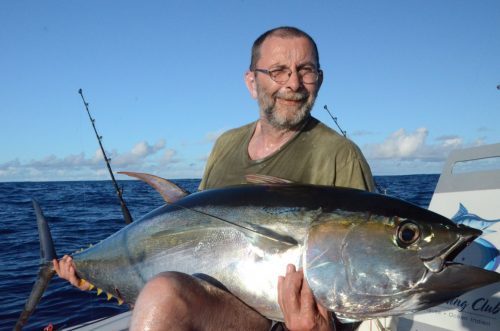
{"x": 126, "y": 214}
{"x": 344, "y": 133}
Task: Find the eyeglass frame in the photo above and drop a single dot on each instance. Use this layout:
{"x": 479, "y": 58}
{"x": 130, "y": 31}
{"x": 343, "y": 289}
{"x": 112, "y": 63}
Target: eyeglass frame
{"x": 290, "y": 71}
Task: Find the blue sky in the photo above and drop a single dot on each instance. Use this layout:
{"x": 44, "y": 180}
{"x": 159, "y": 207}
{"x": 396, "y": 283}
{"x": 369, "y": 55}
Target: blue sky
{"x": 408, "y": 80}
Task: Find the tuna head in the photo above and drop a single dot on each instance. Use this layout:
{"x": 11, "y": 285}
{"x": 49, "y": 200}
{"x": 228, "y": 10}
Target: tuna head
{"x": 362, "y": 266}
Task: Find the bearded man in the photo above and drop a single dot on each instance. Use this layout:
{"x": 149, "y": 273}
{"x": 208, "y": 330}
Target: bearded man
{"x": 286, "y": 142}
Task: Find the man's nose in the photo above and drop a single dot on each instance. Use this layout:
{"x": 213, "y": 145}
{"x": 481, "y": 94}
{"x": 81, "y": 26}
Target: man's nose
{"x": 294, "y": 82}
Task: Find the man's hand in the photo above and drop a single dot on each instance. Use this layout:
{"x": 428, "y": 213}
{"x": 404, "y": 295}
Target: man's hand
{"x": 300, "y": 310}
{"x": 65, "y": 269}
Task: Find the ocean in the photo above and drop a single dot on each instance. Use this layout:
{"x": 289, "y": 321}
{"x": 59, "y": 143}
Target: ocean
{"x": 82, "y": 213}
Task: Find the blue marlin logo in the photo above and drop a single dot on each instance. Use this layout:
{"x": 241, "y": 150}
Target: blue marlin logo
{"x": 487, "y": 251}
{"x": 474, "y": 221}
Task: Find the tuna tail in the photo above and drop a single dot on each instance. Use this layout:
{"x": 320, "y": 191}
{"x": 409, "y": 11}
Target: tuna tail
{"x": 46, "y": 271}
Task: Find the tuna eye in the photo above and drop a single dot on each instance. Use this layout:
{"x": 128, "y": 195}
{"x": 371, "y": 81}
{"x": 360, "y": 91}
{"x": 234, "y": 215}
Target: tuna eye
{"x": 407, "y": 233}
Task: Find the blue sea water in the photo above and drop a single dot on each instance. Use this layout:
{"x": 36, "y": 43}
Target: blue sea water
{"x": 84, "y": 212}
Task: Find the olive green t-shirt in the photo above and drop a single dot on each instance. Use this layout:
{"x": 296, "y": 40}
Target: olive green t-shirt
{"x": 316, "y": 155}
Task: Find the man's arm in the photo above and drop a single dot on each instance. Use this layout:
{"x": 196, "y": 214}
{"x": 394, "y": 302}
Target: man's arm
{"x": 208, "y": 167}
{"x": 355, "y": 173}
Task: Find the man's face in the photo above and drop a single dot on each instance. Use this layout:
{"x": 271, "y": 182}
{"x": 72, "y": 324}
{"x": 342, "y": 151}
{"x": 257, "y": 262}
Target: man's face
{"x": 286, "y": 105}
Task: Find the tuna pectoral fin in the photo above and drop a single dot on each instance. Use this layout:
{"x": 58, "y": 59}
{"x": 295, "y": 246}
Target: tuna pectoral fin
{"x": 168, "y": 190}
{"x": 46, "y": 272}
{"x": 273, "y": 235}
{"x": 44, "y": 276}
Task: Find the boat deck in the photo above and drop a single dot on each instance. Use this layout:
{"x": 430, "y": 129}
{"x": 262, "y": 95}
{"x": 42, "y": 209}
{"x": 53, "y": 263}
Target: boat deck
{"x": 118, "y": 322}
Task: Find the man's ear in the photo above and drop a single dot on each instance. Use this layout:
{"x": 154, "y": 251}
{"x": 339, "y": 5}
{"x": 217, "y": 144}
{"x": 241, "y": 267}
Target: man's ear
{"x": 320, "y": 79}
{"x": 251, "y": 84}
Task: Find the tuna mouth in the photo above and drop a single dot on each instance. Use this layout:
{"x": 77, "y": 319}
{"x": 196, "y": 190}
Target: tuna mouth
{"x": 446, "y": 279}
{"x": 439, "y": 262}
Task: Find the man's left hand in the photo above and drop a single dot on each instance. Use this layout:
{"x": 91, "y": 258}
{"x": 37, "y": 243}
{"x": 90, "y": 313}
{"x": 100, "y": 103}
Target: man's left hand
{"x": 300, "y": 309}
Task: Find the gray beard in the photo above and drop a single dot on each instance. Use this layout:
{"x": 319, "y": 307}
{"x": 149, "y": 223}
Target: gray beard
{"x": 287, "y": 123}
{"x": 284, "y": 121}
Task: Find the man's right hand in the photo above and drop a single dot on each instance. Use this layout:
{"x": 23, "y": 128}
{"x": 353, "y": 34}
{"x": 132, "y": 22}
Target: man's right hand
{"x": 65, "y": 269}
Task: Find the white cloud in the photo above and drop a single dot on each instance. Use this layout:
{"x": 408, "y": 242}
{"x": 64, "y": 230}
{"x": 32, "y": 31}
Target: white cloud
{"x": 98, "y": 156}
{"x": 141, "y": 153}
{"x": 9, "y": 165}
{"x": 405, "y": 152}
{"x": 143, "y": 157}
{"x": 204, "y": 158}
{"x": 140, "y": 149}
{"x": 402, "y": 152}
{"x": 400, "y": 144}
{"x": 168, "y": 157}
{"x": 455, "y": 142}
{"x": 143, "y": 149}
{"x": 450, "y": 141}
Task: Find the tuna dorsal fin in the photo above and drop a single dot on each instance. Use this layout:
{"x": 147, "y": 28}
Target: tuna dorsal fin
{"x": 168, "y": 190}
{"x": 265, "y": 179}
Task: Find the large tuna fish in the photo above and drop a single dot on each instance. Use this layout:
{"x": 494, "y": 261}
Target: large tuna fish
{"x": 364, "y": 255}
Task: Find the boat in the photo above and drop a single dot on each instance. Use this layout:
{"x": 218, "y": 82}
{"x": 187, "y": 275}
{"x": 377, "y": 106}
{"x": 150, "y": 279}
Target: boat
{"x": 468, "y": 191}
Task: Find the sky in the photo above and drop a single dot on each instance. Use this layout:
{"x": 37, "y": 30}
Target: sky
{"x": 408, "y": 80}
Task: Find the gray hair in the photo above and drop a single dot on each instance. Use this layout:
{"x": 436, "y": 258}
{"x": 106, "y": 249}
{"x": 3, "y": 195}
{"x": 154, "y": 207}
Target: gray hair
{"x": 280, "y": 32}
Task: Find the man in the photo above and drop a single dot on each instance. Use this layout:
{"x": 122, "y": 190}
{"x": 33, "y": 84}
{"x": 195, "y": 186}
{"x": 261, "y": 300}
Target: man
{"x": 286, "y": 142}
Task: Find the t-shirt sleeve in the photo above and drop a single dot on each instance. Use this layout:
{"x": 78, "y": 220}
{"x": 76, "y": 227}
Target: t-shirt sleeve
{"x": 208, "y": 167}
{"x": 355, "y": 172}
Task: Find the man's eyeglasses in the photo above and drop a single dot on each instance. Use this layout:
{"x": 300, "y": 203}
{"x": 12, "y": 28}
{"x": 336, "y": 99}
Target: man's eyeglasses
{"x": 282, "y": 75}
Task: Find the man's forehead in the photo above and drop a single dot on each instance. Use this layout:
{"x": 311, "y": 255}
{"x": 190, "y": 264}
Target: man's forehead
{"x": 276, "y": 48}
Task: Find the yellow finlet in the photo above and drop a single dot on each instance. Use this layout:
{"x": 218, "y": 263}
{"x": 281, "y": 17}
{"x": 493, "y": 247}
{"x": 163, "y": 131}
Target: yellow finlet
{"x": 120, "y": 301}
{"x": 91, "y": 286}
{"x": 99, "y": 291}
{"x": 109, "y": 296}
